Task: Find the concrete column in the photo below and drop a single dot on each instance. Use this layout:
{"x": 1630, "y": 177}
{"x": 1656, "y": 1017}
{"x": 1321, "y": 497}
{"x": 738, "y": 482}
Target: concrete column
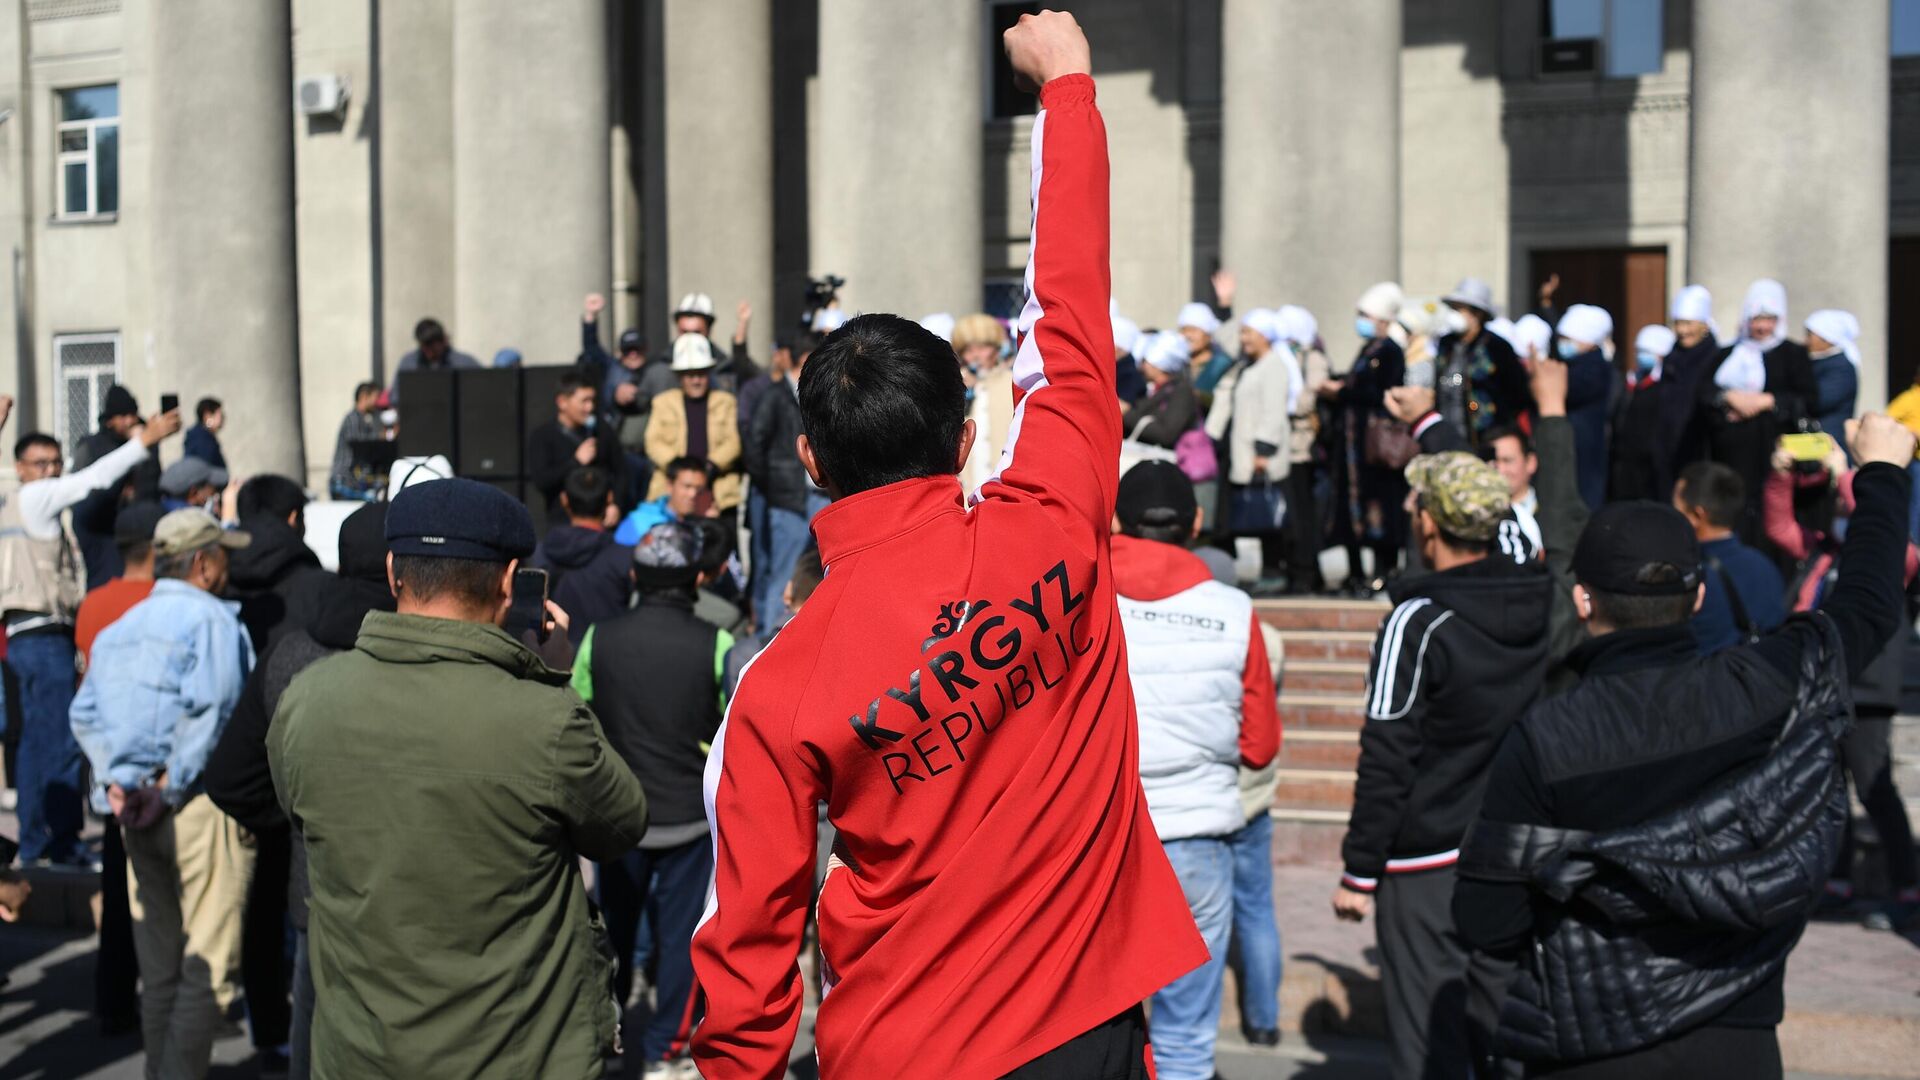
{"x": 414, "y": 118}
{"x": 224, "y": 310}
{"x": 897, "y": 208}
{"x": 1789, "y": 163}
{"x": 719, "y": 158}
{"x": 1310, "y": 158}
{"x": 532, "y": 227}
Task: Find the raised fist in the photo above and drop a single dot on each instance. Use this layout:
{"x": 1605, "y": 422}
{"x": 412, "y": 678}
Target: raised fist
{"x": 1879, "y": 437}
{"x": 1046, "y": 46}
{"x": 594, "y": 305}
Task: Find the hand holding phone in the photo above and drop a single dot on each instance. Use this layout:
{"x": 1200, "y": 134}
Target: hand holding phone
{"x": 169, "y": 402}
{"x": 528, "y": 610}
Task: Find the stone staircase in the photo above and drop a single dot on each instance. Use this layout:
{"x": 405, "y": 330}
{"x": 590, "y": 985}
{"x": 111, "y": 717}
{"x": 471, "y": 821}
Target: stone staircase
{"x": 1322, "y": 705}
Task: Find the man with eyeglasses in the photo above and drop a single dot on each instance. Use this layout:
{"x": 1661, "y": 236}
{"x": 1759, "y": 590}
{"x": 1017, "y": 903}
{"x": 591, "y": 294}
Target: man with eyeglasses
{"x": 42, "y": 579}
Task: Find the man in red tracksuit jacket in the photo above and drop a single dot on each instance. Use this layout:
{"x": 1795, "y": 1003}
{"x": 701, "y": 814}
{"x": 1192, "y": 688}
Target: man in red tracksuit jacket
{"x": 956, "y": 692}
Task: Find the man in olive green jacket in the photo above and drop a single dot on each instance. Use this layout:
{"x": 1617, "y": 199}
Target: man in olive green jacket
{"x": 447, "y": 783}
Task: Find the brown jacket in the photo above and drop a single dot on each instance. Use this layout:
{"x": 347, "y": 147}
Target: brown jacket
{"x": 667, "y": 439}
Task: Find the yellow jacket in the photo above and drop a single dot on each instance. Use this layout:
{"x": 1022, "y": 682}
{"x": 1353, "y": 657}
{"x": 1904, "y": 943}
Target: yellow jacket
{"x": 667, "y": 439}
{"x": 1906, "y": 408}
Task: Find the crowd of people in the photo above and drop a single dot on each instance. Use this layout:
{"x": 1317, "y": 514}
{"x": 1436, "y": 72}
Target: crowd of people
{"x": 981, "y": 704}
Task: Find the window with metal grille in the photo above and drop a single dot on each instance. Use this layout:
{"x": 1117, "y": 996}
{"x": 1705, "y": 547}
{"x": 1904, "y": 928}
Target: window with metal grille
{"x": 85, "y": 366}
{"x": 88, "y": 151}
{"x": 1003, "y": 297}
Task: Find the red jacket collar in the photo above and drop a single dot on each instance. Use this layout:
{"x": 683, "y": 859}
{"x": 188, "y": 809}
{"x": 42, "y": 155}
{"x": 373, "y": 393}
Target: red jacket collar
{"x": 857, "y": 522}
{"x": 1150, "y": 570}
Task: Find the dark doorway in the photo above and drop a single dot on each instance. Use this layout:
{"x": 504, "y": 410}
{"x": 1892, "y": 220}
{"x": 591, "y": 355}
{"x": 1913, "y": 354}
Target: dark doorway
{"x": 1903, "y": 336}
{"x": 1630, "y": 283}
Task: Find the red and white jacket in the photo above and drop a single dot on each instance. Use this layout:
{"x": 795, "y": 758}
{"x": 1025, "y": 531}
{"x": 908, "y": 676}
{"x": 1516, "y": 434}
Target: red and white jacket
{"x": 956, "y": 692}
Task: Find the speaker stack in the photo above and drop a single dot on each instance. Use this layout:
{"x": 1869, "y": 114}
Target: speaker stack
{"x": 479, "y": 420}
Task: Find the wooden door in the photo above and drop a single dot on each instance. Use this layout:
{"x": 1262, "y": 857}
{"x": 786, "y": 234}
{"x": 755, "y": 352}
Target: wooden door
{"x": 1630, "y": 283}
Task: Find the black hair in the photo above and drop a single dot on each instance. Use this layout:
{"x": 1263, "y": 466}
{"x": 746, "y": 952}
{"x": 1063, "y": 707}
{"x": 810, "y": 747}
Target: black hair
{"x": 32, "y": 439}
{"x": 428, "y": 330}
{"x": 365, "y": 388}
{"x": 134, "y": 551}
{"x": 474, "y": 582}
{"x": 881, "y": 401}
{"x": 587, "y": 490}
{"x": 207, "y": 407}
{"x": 270, "y": 494}
{"x": 808, "y": 573}
{"x": 1634, "y": 611}
{"x": 803, "y": 344}
{"x": 1714, "y": 488}
{"x": 1506, "y": 432}
{"x": 684, "y": 463}
{"x": 573, "y": 379}
{"x": 1161, "y": 524}
{"x": 716, "y": 544}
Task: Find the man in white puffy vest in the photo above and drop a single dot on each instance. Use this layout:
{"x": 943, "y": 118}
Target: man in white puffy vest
{"x": 1206, "y": 701}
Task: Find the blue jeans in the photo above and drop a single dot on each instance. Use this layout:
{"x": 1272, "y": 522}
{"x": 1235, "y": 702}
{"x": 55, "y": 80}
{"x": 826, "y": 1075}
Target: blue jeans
{"x": 671, "y": 885}
{"x": 1186, "y": 1013}
{"x": 50, "y": 761}
{"x": 1254, "y": 929}
{"x": 787, "y": 535}
{"x": 300, "y": 1036}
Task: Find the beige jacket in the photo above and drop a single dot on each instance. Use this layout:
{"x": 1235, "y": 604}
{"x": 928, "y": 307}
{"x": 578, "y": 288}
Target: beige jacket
{"x": 1260, "y": 416}
{"x": 1306, "y": 418}
{"x": 667, "y": 439}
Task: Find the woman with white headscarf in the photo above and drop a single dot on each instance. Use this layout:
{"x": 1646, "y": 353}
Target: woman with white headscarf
{"x": 1763, "y": 387}
{"x": 1259, "y": 433}
{"x": 1368, "y": 507}
{"x": 1592, "y": 387}
{"x": 1836, "y": 367}
{"x": 1170, "y": 408}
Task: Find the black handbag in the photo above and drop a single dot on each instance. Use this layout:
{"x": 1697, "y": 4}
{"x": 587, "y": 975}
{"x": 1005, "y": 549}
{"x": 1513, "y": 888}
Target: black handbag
{"x": 1255, "y": 508}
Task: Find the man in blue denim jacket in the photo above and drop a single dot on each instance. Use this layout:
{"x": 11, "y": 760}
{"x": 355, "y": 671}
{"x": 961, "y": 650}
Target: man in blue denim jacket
{"x": 163, "y": 680}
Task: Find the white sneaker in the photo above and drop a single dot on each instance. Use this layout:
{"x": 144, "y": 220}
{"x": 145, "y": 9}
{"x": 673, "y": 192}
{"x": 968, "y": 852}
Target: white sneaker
{"x": 660, "y": 1070}
{"x": 684, "y": 1069}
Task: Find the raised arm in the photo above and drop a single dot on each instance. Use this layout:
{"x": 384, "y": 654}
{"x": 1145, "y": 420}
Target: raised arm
{"x": 42, "y": 501}
{"x": 1063, "y": 447}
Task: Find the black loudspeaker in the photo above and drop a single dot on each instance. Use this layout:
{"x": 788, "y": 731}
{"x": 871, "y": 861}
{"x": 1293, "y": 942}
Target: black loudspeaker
{"x": 427, "y": 414}
{"x": 490, "y": 431}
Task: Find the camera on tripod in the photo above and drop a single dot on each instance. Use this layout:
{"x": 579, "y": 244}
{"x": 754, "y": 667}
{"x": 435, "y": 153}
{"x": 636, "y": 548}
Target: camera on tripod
{"x": 821, "y": 292}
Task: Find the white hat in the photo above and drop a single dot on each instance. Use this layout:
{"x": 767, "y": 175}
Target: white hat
{"x": 1200, "y": 317}
{"x": 1381, "y": 301}
{"x": 695, "y": 303}
{"x": 1266, "y": 323}
{"x": 692, "y": 353}
{"x": 1473, "y": 293}
{"x": 1502, "y": 328}
{"x": 939, "y": 324}
{"x": 1126, "y": 334}
{"x": 1168, "y": 351}
{"x": 1426, "y": 317}
{"x": 1298, "y": 325}
{"x": 1586, "y": 324}
{"x": 1693, "y": 303}
{"x": 1838, "y": 327}
{"x": 1531, "y": 335}
{"x": 828, "y": 319}
{"x": 1655, "y": 339}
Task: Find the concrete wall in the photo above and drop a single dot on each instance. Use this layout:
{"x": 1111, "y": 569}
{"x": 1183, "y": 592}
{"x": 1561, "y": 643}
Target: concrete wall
{"x": 1453, "y": 161}
{"x": 333, "y": 204}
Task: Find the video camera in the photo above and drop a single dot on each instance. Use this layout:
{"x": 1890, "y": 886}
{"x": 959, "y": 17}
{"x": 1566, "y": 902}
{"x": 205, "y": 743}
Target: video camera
{"x": 821, "y": 292}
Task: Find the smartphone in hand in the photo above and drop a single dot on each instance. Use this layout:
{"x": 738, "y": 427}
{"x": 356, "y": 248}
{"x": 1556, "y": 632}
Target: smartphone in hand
{"x": 529, "y": 608}
{"x": 169, "y": 402}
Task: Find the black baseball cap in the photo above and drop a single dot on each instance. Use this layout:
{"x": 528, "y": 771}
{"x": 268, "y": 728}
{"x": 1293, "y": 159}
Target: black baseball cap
{"x": 632, "y": 341}
{"x": 1622, "y": 539}
{"x": 459, "y": 519}
{"x": 135, "y": 522}
{"x": 1156, "y": 493}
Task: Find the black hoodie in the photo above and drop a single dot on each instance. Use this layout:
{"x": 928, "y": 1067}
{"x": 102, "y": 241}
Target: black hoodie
{"x": 588, "y": 575}
{"x": 266, "y": 573}
{"x": 1461, "y": 657}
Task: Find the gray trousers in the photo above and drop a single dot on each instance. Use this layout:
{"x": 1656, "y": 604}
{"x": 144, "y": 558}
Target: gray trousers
{"x": 1443, "y": 1002}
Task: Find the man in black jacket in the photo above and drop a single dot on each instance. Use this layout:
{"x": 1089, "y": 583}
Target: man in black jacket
{"x": 1652, "y": 726}
{"x": 1461, "y": 656}
{"x": 572, "y": 439}
{"x": 773, "y": 463}
{"x": 93, "y": 517}
{"x": 589, "y": 575}
{"x": 237, "y": 774}
{"x": 653, "y": 679}
{"x": 265, "y": 575}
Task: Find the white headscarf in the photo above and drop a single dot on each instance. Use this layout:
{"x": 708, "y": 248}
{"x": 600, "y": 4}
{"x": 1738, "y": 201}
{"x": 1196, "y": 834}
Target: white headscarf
{"x": 1381, "y": 301}
{"x": 939, "y": 324}
{"x": 1168, "y": 351}
{"x": 1502, "y": 328}
{"x": 1531, "y": 335}
{"x": 1838, "y": 327}
{"x": 1654, "y": 339}
{"x": 1586, "y": 324}
{"x": 1126, "y": 334}
{"x": 1278, "y": 328}
{"x": 1745, "y": 368}
{"x": 1693, "y": 303}
{"x": 1200, "y": 317}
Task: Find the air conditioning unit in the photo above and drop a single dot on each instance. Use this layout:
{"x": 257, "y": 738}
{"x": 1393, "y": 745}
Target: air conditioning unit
{"x": 322, "y": 95}
{"x": 1568, "y": 57}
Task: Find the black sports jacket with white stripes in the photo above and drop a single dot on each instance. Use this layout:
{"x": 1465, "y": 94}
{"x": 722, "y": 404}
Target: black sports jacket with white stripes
{"x": 1461, "y": 657}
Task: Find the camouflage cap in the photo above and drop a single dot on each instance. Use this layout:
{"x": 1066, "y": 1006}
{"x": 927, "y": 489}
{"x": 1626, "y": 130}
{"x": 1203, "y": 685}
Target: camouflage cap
{"x": 1465, "y": 496}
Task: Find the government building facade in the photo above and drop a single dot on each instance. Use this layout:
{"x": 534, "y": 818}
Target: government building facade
{"x": 255, "y": 200}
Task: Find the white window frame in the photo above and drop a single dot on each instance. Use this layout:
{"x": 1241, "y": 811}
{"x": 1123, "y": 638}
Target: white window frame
{"x": 62, "y": 376}
{"x": 89, "y": 157}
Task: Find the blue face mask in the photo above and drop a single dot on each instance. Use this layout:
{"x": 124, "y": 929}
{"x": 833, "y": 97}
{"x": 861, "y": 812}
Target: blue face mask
{"x": 1365, "y": 328}
{"x": 1567, "y": 349}
{"x": 1645, "y": 361}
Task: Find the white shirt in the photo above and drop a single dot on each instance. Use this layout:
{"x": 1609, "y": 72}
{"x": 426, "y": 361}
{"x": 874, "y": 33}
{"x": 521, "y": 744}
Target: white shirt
{"x": 42, "y": 502}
